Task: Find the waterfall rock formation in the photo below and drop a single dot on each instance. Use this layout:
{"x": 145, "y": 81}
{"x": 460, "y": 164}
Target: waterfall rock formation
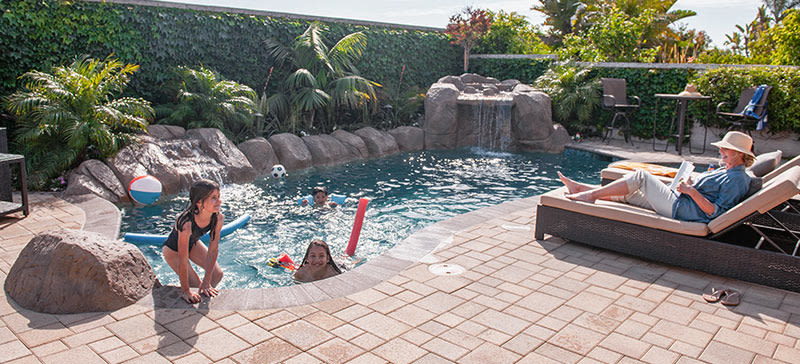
{"x": 472, "y": 110}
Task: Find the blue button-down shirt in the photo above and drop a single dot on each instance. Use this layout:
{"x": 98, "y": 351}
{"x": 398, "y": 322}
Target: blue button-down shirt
{"x": 724, "y": 188}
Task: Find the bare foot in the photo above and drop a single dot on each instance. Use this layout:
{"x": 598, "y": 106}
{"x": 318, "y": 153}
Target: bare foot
{"x": 583, "y": 196}
{"x": 572, "y": 186}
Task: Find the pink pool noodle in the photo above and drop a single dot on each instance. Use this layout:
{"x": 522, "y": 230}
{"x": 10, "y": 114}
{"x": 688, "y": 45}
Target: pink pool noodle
{"x": 362, "y": 207}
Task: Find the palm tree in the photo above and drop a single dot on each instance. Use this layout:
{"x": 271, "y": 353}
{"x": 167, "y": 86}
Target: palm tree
{"x": 777, "y": 7}
{"x": 205, "y": 100}
{"x": 324, "y": 78}
{"x": 72, "y": 114}
{"x": 559, "y": 14}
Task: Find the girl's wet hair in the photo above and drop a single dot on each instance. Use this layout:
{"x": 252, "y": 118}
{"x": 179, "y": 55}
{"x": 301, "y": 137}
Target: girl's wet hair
{"x": 319, "y": 189}
{"x": 200, "y": 191}
{"x": 324, "y": 245}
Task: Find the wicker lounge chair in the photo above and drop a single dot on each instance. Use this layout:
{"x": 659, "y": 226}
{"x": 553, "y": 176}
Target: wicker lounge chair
{"x": 725, "y": 246}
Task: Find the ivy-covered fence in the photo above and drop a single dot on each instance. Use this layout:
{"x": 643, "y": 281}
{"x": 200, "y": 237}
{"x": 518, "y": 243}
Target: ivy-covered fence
{"x": 722, "y": 84}
{"x": 38, "y": 34}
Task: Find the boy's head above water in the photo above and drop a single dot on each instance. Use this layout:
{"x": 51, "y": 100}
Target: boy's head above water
{"x": 320, "y": 194}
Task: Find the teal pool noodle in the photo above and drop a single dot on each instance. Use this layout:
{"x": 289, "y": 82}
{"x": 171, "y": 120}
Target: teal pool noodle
{"x": 158, "y": 239}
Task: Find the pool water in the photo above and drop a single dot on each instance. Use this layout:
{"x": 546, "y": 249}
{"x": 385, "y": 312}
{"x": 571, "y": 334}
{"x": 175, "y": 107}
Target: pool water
{"x": 406, "y": 191}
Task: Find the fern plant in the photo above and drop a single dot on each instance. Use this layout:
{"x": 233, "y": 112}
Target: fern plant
{"x": 73, "y": 114}
{"x": 205, "y": 100}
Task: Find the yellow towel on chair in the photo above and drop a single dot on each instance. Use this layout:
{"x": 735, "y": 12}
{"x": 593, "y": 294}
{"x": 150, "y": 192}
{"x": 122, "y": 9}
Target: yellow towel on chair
{"x": 654, "y": 169}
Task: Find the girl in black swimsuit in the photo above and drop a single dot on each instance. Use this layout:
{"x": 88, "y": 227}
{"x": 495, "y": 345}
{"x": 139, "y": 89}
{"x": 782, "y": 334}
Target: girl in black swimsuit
{"x": 201, "y": 216}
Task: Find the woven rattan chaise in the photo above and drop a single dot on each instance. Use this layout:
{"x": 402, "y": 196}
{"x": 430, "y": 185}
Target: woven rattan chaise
{"x": 725, "y": 246}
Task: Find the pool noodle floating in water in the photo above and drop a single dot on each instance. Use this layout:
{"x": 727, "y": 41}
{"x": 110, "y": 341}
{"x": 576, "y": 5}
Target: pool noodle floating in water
{"x": 154, "y": 239}
{"x": 351, "y": 246}
{"x": 339, "y": 199}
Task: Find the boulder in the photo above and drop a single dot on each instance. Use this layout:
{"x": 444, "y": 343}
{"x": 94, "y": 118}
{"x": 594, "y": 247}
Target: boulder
{"x": 440, "y": 116}
{"x": 473, "y": 78}
{"x": 177, "y": 163}
{"x": 352, "y": 142}
{"x": 74, "y": 271}
{"x": 379, "y": 143}
{"x": 94, "y": 176}
{"x": 408, "y": 138}
{"x": 291, "y": 151}
{"x": 455, "y": 80}
{"x": 216, "y": 145}
{"x": 160, "y": 131}
{"x": 260, "y": 154}
{"x": 327, "y": 150}
{"x": 531, "y": 117}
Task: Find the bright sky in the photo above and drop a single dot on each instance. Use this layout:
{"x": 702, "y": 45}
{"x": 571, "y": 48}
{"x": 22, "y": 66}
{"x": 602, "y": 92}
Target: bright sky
{"x": 716, "y": 17}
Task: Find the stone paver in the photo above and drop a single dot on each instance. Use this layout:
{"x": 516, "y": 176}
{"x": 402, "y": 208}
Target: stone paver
{"x": 520, "y": 301}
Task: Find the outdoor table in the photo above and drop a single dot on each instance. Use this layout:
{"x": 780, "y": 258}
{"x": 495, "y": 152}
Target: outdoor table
{"x": 8, "y": 207}
{"x": 683, "y": 104}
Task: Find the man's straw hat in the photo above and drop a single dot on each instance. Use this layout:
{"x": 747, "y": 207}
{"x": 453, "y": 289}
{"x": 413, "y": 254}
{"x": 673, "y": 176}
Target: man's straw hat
{"x": 737, "y": 141}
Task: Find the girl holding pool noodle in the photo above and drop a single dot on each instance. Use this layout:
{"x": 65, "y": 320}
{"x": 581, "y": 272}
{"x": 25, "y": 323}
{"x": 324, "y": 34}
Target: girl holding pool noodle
{"x": 201, "y": 216}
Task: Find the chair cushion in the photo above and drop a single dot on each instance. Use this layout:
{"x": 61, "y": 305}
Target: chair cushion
{"x": 623, "y": 212}
{"x": 782, "y": 168}
{"x": 765, "y": 163}
{"x": 774, "y": 192}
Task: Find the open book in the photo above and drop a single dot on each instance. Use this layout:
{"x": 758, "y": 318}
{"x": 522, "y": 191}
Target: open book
{"x": 683, "y": 174}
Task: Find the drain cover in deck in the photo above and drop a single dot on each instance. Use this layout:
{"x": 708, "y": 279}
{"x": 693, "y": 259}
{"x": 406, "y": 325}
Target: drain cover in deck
{"x": 445, "y": 269}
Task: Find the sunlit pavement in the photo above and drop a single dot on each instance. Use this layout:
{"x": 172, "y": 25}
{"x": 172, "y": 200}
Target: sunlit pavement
{"x": 517, "y": 300}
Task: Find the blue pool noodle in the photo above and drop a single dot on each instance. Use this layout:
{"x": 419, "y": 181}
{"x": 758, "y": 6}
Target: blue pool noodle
{"x": 158, "y": 239}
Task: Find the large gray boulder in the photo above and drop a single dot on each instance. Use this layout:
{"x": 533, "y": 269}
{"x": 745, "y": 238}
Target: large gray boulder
{"x": 160, "y": 131}
{"x": 441, "y": 116}
{"x": 379, "y": 143}
{"x": 177, "y": 163}
{"x": 408, "y": 138}
{"x": 327, "y": 150}
{"x": 260, "y": 154}
{"x": 352, "y": 142}
{"x": 74, "y": 271}
{"x": 217, "y": 146}
{"x": 291, "y": 151}
{"x": 94, "y": 176}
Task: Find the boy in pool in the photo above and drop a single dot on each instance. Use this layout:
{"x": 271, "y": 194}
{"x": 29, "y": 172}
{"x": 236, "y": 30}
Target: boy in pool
{"x": 317, "y": 264}
{"x": 320, "y": 195}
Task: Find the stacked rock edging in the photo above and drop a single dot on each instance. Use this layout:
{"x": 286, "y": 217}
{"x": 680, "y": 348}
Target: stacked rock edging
{"x": 74, "y": 271}
{"x": 178, "y": 157}
{"x": 532, "y": 126}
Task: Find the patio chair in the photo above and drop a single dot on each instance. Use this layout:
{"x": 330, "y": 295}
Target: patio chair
{"x": 725, "y": 246}
{"x": 615, "y": 99}
{"x": 739, "y": 119}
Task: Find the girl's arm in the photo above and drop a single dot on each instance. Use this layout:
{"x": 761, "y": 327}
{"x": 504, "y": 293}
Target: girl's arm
{"x": 183, "y": 263}
{"x": 211, "y": 260}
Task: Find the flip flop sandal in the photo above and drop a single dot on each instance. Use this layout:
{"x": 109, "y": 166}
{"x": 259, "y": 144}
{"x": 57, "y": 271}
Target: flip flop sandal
{"x": 731, "y": 298}
{"x": 715, "y": 295}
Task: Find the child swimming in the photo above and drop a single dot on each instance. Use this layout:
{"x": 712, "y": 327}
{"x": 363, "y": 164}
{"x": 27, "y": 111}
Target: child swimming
{"x": 320, "y": 196}
{"x": 201, "y": 216}
{"x": 317, "y": 263}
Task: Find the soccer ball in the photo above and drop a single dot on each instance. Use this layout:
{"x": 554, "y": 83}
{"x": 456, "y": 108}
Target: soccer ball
{"x": 278, "y": 171}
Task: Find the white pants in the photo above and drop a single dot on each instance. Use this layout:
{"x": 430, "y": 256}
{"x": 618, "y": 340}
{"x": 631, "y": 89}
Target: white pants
{"x": 649, "y": 192}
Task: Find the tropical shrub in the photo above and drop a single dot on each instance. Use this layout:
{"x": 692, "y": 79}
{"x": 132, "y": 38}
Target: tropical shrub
{"x": 75, "y": 113}
{"x": 614, "y": 37}
{"x": 205, "y": 100}
{"x": 323, "y": 79}
{"x": 511, "y": 33}
{"x": 781, "y": 43}
{"x": 575, "y": 94}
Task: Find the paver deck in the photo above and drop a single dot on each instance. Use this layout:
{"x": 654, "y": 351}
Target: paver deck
{"x": 518, "y": 301}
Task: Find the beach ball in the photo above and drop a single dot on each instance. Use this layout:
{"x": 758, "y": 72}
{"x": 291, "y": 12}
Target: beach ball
{"x": 278, "y": 171}
{"x": 145, "y": 189}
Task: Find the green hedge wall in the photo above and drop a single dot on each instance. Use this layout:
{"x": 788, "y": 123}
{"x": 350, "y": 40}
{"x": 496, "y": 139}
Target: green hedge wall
{"x": 41, "y": 34}
{"x": 723, "y": 84}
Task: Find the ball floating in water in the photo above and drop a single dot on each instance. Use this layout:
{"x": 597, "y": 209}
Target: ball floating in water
{"x": 278, "y": 171}
{"x": 145, "y": 189}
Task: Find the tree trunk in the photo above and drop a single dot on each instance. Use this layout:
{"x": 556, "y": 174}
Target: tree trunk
{"x": 466, "y": 59}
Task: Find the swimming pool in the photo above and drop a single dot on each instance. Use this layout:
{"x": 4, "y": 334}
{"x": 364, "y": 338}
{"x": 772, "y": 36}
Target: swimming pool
{"x": 406, "y": 191}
